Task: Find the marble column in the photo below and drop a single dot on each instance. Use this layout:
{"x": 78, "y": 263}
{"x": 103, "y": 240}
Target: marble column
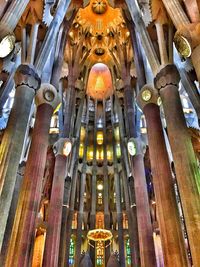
{"x": 47, "y": 100}
{"x": 27, "y": 82}
{"x": 173, "y": 243}
{"x": 145, "y": 230}
{"x": 51, "y": 251}
{"x": 187, "y": 172}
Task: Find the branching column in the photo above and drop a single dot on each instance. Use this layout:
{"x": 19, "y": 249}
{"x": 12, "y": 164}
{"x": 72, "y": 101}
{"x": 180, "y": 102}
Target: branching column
{"x": 27, "y": 82}
{"x": 169, "y": 219}
{"x": 187, "y": 172}
{"x": 145, "y": 231}
{"x": 47, "y": 100}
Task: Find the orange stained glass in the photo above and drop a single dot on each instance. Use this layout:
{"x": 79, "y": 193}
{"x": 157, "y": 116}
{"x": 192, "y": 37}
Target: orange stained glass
{"x": 100, "y": 82}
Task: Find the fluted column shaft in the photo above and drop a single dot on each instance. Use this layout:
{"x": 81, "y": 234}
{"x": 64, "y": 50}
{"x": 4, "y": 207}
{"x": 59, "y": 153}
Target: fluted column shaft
{"x": 27, "y": 82}
{"x": 187, "y": 172}
{"x": 143, "y": 33}
{"x": 34, "y": 174}
{"x": 14, "y": 13}
{"x": 176, "y": 12}
{"x": 169, "y": 219}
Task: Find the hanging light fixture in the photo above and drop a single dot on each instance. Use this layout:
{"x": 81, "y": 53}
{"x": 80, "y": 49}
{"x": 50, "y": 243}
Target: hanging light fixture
{"x": 100, "y": 185}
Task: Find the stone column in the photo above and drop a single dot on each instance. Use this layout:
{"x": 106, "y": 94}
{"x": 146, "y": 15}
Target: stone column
{"x": 70, "y": 213}
{"x": 176, "y": 12}
{"x": 143, "y": 33}
{"x": 129, "y": 194}
{"x": 80, "y": 213}
{"x": 145, "y": 231}
{"x": 9, "y": 22}
{"x": 94, "y": 186}
{"x": 27, "y": 82}
{"x": 113, "y": 262}
{"x": 187, "y": 172}
{"x": 14, "y": 13}
{"x": 12, "y": 212}
{"x": 187, "y": 37}
{"x": 119, "y": 218}
{"x": 105, "y": 183}
{"x": 68, "y": 190}
{"x": 47, "y": 100}
{"x": 173, "y": 246}
{"x": 51, "y": 251}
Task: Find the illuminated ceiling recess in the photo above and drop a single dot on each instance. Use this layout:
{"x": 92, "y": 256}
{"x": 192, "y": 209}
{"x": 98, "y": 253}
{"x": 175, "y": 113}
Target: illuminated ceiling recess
{"x": 99, "y": 82}
{"x": 99, "y": 19}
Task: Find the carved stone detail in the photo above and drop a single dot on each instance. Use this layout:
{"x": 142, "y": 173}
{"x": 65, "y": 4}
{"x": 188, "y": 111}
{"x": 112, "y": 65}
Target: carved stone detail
{"x": 140, "y": 146}
{"x": 99, "y": 6}
{"x": 60, "y": 146}
{"x": 168, "y": 75}
{"x": 47, "y": 94}
{"x": 27, "y": 75}
{"x": 153, "y": 99}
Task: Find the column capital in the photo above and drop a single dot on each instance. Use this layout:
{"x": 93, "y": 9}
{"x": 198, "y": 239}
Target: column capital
{"x": 47, "y": 94}
{"x": 168, "y": 75}
{"x": 62, "y": 147}
{"x": 147, "y": 95}
{"x": 27, "y": 75}
{"x": 136, "y": 146}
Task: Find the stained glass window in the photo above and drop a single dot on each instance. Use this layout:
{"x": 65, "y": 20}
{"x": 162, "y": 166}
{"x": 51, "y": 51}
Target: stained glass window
{"x": 128, "y": 252}
{"x": 71, "y": 252}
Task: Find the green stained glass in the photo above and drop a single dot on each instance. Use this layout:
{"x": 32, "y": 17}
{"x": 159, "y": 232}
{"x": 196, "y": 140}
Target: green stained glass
{"x": 71, "y": 252}
{"x": 128, "y": 252}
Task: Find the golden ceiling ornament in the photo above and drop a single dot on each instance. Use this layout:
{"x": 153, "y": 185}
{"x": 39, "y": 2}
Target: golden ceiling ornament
{"x": 99, "y": 6}
{"x": 182, "y": 45}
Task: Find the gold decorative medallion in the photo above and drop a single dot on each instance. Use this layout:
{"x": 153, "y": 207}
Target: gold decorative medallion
{"x": 182, "y": 45}
{"x": 146, "y": 95}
